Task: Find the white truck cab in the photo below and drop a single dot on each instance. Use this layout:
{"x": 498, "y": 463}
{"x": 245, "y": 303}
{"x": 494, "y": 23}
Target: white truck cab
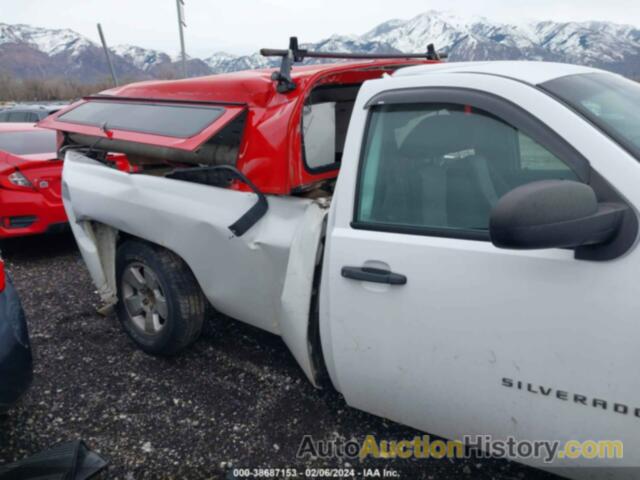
{"x": 473, "y": 272}
{"x": 534, "y": 344}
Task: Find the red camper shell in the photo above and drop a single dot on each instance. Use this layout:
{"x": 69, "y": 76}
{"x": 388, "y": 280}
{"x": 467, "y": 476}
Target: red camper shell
{"x": 285, "y": 140}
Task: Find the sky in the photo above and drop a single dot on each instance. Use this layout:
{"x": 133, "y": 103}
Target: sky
{"x": 243, "y": 26}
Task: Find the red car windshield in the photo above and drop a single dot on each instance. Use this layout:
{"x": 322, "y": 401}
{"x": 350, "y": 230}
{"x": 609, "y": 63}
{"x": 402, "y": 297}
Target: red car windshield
{"x": 29, "y": 142}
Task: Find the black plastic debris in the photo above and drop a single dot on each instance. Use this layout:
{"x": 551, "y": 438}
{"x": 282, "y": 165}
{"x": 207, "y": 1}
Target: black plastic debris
{"x": 67, "y": 461}
{"x": 16, "y": 364}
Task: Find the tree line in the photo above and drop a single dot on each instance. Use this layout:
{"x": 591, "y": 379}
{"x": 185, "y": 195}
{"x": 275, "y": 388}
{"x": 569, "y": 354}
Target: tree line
{"x": 43, "y": 90}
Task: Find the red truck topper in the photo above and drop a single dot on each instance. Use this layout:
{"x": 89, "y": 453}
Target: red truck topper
{"x": 252, "y": 120}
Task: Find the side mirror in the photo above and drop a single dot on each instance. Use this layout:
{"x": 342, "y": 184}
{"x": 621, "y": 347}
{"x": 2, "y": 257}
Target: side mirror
{"x": 553, "y": 214}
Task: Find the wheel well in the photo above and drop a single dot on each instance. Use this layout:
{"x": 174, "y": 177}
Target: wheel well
{"x": 321, "y": 374}
{"x": 124, "y": 236}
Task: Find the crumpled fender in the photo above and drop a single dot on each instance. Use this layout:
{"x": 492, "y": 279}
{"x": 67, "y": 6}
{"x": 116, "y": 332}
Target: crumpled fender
{"x": 263, "y": 277}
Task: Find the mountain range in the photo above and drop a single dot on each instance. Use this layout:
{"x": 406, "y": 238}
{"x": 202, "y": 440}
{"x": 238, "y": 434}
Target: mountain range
{"x": 33, "y": 52}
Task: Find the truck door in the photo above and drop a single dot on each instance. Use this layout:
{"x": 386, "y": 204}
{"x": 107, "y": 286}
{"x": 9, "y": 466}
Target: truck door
{"x": 429, "y": 324}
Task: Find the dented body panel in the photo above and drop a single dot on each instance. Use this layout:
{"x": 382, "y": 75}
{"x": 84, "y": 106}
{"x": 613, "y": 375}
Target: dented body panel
{"x": 252, "y": 278}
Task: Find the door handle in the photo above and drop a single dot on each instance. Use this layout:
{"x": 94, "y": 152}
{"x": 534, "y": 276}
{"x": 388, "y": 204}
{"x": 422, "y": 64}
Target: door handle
{"x": 376, "y": 275}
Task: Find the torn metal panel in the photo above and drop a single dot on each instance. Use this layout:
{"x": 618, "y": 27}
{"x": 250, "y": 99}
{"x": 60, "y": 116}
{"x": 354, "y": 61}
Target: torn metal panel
{"x": 243, "y": 277}
{"x": 298, "y": 287}
{"x": 96, "y": 261}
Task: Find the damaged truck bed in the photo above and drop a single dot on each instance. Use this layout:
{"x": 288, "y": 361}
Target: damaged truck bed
{"x": 263, "y": 277}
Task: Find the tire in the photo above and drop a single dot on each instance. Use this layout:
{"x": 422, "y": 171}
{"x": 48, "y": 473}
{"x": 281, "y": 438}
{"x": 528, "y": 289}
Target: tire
{"x": 212, "y": 319}
{"x": 160, "y": 304}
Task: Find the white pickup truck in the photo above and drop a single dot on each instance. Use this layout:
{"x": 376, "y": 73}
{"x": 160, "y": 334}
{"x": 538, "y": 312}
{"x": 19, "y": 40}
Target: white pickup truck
{"x": 471, "y": 272}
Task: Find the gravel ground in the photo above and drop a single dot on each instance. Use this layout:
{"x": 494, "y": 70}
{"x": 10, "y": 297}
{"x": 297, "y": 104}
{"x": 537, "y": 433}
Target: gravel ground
{"x": 235, "y": 399}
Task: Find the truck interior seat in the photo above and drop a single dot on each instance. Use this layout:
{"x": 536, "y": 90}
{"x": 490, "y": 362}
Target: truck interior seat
{"x": 471, "y": 193}
{"x": 449, "y": 183}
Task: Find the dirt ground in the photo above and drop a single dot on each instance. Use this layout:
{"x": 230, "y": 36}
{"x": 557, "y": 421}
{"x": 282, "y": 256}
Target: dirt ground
{"x": 236, "y": 399}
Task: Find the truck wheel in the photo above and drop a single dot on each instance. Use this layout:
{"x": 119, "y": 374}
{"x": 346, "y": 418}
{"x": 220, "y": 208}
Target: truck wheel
{"x": 160, "y": 304}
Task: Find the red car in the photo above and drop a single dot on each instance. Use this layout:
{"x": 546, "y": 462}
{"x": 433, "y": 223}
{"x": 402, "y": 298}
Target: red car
{"x": 30, "y": 181}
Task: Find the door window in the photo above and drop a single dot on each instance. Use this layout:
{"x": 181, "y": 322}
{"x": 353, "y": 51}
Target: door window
{"x": 429, "y": 168}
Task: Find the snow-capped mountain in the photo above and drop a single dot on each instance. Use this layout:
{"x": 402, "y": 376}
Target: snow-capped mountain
{"x": 33, "y": 52}
{"x": 221, "y": 62}
{"x": 28, "y": 52}
{"x": 596, "y": 43}
{"x": 48, "y": 41}
{"x": 142, "y": 58}
{"x": 602, "y": 44}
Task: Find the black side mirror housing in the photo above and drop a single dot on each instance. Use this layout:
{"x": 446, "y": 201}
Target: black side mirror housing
{"x": 553, "y": 214}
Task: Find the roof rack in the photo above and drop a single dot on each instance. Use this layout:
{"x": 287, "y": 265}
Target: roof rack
{"x": 295, "y": 54}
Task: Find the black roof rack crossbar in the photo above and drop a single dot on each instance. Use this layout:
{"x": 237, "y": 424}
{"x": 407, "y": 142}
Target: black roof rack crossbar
{"x": 295, "y": 54}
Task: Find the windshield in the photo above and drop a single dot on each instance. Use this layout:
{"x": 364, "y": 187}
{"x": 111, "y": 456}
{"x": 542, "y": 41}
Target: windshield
{"x": 609, "y": 101}
{"x": 28, "y": 143}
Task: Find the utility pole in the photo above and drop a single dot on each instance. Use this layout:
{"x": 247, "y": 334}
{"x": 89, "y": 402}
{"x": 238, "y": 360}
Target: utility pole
{"x": 108, "y": 55}
{"x": 181, "y": 25}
